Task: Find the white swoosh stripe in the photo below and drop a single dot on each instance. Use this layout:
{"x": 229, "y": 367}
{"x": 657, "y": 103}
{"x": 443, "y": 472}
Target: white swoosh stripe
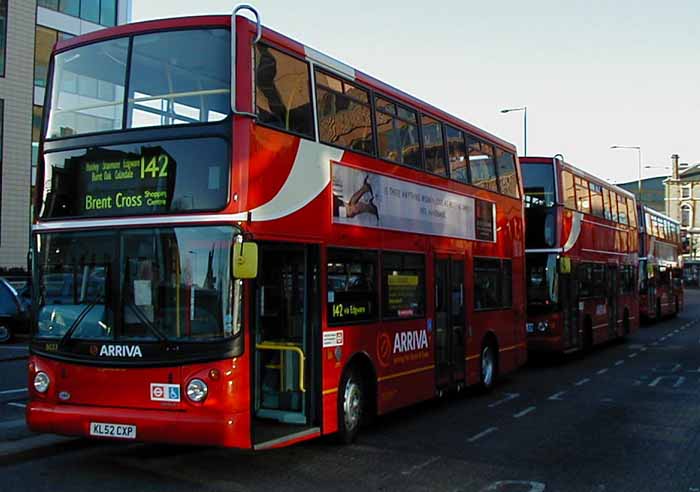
{"x": 310, "y": 174}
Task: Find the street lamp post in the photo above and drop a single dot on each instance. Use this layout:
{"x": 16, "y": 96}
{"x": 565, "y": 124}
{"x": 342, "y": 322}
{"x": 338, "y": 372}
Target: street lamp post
{"x": 524, "y": 110}
{"x": 639, "y": 154}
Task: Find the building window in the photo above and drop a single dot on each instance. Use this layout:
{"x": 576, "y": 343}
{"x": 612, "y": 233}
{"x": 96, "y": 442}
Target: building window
{"x": 3, "y": 35}
{"x": 686, "y": 215}
{"x": 37, "y": 115}
{"x": 685, "y": 191}
{"x": 98, "y": 11}
{"x": 45, "y": 40}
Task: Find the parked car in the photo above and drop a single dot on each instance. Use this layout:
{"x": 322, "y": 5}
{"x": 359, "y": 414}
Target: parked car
{"x": 14, "y": 313}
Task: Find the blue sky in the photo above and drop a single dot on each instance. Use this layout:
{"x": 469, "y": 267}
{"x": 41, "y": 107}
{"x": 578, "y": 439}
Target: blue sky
{"x": 592, "y": 73}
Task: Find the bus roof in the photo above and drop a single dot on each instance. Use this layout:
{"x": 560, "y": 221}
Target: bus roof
{"x": 651, "y": 211}
{"x": 300, "y": 49}
{"x": 579, "y": 172}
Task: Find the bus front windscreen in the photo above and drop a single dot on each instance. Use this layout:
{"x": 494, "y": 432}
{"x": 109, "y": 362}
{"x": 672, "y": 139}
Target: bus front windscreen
{"x": 538, "y": 184}
{"x": 149, "y": 80}
{"x": 160, "y": 285}
{"x": 542, "y": 282}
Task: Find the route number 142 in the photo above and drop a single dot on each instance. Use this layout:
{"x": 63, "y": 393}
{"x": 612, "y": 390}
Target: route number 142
{"x": 157, "y": 167}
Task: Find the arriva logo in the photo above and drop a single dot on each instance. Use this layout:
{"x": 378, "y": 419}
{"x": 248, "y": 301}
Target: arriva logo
{"x": 120, "y": 351}
{"x": 407, "y": 341}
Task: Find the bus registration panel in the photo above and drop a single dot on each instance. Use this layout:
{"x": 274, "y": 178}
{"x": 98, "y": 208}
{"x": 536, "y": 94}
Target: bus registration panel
{"x": 113, "y": 430}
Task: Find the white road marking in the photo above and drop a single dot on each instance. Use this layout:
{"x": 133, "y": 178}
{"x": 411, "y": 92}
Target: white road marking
{"x": 632, "y": 356}
{"x": 679, "y": 380}
{"x": 504, "y": 485}
{"x": 643, "y": 349}
{"x": 482, "y": 434}
{"x": 18, "y": 390}
{"x": 582, "y": 382}
{"x": 557, "y": 396}
{"x": 15, "y": 404}
{"x": 602, "y": 371}
{"x": 420, "y": 466}
{"x": 619, "y": 362}
{"x": 509, "y": 396}
{"x": 524, "y": 412}
{"x": 656, "y": 343}
{"x": 606, "y": 400}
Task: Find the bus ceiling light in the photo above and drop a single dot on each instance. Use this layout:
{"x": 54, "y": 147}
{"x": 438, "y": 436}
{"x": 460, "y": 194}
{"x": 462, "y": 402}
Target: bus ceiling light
{"x": 197, "y": 390}
{"x": 41, "y": 382}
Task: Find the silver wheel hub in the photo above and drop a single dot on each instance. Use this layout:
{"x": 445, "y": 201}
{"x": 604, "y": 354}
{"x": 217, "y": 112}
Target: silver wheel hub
{"x": 487, "y": 366}
{"x": 352, "y": 405}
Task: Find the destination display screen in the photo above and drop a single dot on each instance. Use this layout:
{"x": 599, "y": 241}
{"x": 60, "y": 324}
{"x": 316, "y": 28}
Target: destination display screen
{"x": 137, "y": 179}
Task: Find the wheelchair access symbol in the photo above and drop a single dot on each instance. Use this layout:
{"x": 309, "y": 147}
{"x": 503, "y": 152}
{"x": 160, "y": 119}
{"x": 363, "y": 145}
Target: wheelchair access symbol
{"x": 165, "y": 392}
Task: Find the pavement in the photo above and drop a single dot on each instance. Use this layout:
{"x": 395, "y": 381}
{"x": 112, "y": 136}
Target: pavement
{"x": 13, "y": 391}
{"x": 623, "y": 418}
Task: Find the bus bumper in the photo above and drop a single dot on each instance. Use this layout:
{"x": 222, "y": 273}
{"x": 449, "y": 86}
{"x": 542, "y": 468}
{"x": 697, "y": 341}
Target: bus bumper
{"x": 540, "y": 344}
{"x": 174, "y": 427}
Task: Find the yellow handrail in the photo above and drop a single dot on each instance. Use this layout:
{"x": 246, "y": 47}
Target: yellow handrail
{"x": 289, "y": 347}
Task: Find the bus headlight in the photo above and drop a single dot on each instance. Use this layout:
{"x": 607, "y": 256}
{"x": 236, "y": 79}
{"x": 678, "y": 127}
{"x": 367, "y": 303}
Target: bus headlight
{"x": 41, "y": 382}
{"x": 197, "y": 390}
{"x": 542, "y": 326}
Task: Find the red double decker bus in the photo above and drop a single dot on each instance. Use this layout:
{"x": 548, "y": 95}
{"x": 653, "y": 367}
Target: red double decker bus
{"x": 660, "y": 271}
{"x": 581, "y": 249}
{"x": 244, "y": 242}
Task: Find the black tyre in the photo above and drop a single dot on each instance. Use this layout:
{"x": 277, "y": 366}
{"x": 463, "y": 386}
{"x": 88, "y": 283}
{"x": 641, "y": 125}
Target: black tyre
{"x": 351, "y": 405}
{"x": 489, "y": 367}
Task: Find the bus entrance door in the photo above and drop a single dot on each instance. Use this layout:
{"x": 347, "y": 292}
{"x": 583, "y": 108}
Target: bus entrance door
{"x": 569, "y": 310}
{"x": 285, "y": 319}
{"x": 611, "y": 301}
{"x": 449, "y": 322}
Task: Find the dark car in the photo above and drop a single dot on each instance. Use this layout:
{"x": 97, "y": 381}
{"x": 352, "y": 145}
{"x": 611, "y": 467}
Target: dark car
{"x": 14, "y": 313}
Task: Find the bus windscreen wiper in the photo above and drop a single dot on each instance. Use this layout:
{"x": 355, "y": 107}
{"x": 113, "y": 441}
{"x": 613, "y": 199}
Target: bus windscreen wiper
{"x": 79, "y": 319}
{"x": 147, "y": 322}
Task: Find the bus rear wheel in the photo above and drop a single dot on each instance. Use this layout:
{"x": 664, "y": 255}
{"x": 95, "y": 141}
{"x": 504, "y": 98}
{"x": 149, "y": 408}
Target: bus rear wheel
{"x": 489, "y": 367}
{"x": 351, "y": 401}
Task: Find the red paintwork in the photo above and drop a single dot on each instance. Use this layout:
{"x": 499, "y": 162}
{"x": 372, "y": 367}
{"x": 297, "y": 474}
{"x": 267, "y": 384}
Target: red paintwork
{"x": 600, "y": 241}
{"x": 262, "y": 159}
{"x": 663, "y": 296}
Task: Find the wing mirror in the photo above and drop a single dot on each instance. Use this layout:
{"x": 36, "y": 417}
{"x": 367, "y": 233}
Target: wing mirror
{"x": 245, "y": 259}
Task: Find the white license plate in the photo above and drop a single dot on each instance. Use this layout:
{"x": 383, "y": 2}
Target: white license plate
{"x": 118, "y": 431}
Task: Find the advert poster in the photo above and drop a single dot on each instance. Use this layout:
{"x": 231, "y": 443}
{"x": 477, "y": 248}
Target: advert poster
{"x": 367, "y": 199}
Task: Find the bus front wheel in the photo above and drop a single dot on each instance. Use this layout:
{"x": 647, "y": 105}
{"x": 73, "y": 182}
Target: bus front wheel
{"x": 350, "y": 404}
